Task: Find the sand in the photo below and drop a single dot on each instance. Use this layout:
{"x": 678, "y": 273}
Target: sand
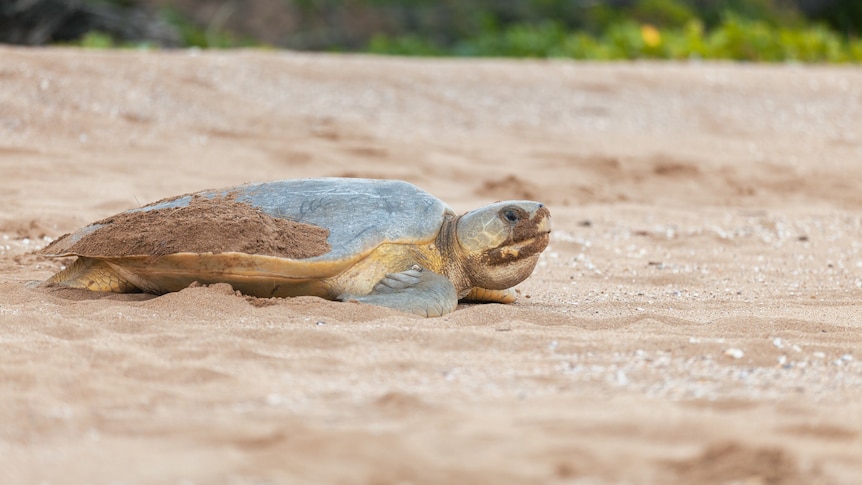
{"x": 205, "y": 225}
{"x": 696, "y": 318}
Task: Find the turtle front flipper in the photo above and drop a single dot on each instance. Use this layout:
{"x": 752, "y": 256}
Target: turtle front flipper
{"x": 495, "y": 296}
{"x": 416, "y": 290}
{"x": 94, "y": 275}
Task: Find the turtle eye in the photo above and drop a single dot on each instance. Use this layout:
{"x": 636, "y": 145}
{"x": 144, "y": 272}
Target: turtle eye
{"x": 510, "y": 216}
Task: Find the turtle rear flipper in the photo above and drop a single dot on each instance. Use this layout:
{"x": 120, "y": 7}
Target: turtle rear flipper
{"x": 94, "y": 275}
{"x": 494, "y": 296}
{"x": 416, "y": 290}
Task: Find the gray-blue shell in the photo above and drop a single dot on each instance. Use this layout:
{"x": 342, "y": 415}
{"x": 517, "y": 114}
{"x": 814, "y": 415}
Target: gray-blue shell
{"x": 359, "y": 213}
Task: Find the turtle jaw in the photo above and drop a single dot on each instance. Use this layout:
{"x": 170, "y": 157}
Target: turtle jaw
{"x": 508, "y": 265}
{"x": 519, "y": 250}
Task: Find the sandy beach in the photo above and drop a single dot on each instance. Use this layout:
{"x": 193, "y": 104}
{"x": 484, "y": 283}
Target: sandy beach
{"x": 696, "y": 318}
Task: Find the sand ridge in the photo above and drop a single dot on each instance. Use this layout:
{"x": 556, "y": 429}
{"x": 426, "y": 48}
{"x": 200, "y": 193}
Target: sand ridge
{"x": 695, "y": 318}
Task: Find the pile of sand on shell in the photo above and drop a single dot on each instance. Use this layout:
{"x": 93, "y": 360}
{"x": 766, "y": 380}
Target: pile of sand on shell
{"x": 206, "y": 225}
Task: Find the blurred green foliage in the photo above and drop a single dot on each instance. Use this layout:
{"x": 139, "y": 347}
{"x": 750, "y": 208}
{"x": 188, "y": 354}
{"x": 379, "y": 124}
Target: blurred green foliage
{"x": 193, "y": 35}
{"x": 96, "y": 40}
{"x": 650, "y": 29}
{"x": 749, "y": 30}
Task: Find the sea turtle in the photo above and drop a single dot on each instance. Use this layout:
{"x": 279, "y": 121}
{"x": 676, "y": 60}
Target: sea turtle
{"x": 383, "y": 242}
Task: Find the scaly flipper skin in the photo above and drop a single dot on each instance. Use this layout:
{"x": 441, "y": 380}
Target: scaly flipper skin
{"x": 94, "y": 275}
{"x": 496, "y": 296}
{"x": 417, "y": 290}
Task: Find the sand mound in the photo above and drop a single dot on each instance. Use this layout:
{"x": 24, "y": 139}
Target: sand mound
{"x": 206, "y": 225}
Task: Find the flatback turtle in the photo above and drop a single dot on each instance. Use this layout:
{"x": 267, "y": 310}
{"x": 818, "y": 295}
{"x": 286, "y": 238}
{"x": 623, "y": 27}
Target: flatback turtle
{"x": 382, "y": 242}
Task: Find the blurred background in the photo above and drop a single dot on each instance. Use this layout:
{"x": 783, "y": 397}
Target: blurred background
{"x": 754, "y": 30}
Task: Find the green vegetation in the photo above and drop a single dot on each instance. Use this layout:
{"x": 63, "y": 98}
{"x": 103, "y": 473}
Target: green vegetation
{"x": 746, "y": 30}
{"x": 191, "y": 35}
{"x": 736, "y": 38}
{"x": 96, "y": 40}
{"x": 213, "y": 36}
{"x": 749, "y": 30}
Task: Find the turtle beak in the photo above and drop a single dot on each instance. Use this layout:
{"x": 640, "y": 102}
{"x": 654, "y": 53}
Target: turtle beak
{"x": 542, "y": 219}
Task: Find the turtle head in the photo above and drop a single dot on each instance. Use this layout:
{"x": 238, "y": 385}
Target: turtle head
{"x": 501, "y": 242}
